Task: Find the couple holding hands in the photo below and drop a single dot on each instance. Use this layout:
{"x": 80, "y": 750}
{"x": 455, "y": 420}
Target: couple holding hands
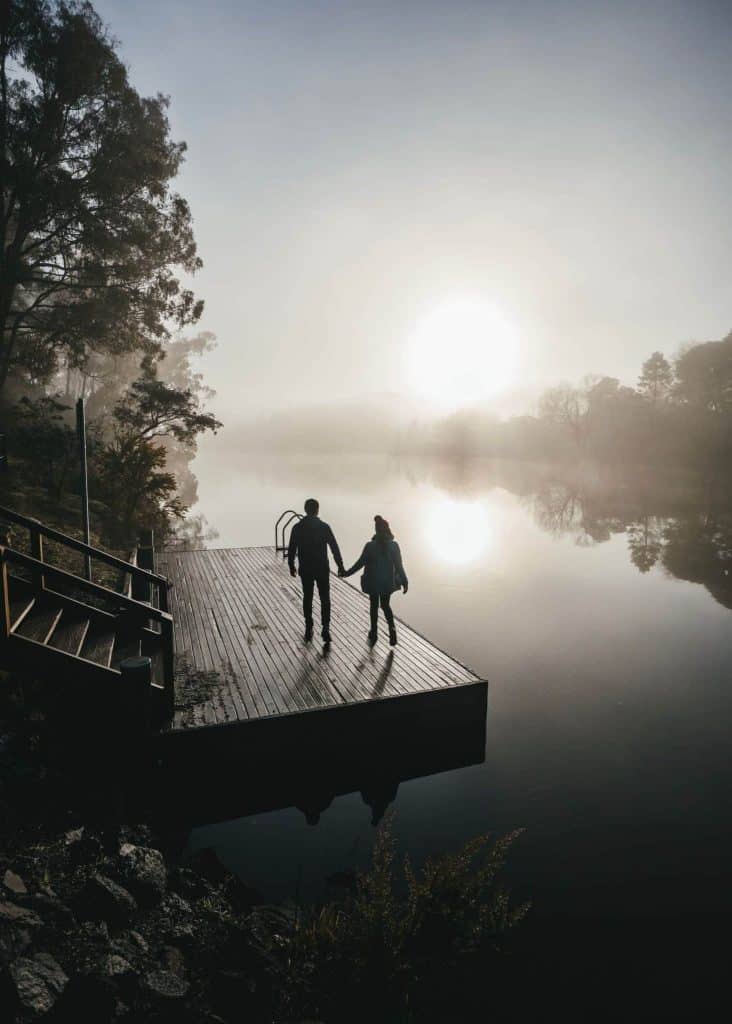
{"x": 381, "y": 561}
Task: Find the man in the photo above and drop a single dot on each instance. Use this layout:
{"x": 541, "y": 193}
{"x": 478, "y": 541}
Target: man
{"x": 309, "y": 541}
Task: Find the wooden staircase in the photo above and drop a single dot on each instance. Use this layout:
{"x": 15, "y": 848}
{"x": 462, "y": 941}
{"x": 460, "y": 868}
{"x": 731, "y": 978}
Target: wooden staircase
{"x": 57, "y": 624}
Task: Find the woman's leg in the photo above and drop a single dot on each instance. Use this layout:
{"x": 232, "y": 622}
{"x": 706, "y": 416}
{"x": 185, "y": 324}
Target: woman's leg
{"x": 374, "y": 609}
{"x": 385, "y": 600}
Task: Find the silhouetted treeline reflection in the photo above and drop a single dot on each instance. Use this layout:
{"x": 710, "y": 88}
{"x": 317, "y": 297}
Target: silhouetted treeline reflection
{"x": 682, "y": 525}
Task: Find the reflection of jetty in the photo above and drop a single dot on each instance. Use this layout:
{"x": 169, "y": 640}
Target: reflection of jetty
{"x": 248, "y": 687}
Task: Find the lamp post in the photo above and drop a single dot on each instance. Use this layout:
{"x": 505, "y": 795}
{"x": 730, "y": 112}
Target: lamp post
{"x": 81, "y": 434}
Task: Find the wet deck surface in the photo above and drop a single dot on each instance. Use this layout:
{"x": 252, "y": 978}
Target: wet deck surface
{"x": 240, "y": 654}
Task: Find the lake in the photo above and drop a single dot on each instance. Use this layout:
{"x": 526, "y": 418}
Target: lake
{"x": 597, "y": 603}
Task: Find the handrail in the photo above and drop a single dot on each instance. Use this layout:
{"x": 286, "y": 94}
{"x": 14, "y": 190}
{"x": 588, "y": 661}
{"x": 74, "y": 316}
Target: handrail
{"x": 78, "y": 545}
{"x": 145, "y": 611}
{"x": 293, "y": 515}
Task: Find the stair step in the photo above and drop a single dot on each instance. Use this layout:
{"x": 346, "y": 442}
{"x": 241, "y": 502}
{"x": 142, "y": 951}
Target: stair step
{"x": 40, "y": 621}
{"x": 21, "y": 600}
{"x": 99, "y": 644}
{"x": 70, "y": 633}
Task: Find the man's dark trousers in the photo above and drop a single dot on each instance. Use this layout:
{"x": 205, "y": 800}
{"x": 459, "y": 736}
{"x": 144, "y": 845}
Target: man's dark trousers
{"x": 308, "y": 585}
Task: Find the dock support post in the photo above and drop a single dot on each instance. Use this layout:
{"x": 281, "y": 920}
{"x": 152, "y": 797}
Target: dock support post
{"x": 141, "y": 589}
{"x": 136, "y": 683}
{"x": 36, "y": 550}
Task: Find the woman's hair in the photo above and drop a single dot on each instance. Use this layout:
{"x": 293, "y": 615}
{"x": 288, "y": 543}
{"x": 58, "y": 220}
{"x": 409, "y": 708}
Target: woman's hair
{"x": 383, "y": 530}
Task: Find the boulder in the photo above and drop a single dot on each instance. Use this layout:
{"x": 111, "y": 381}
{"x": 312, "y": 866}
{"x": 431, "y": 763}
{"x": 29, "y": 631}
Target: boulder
{"x": 53, "y": 910}
{"x": 143, "y": 871}
{"x": 39, "y": 981}
{"x": 17, "y": 928}
{"x": 171, "y": 959}
{"x": 164, "y": 985}
{"x": 14, "y": 884}
{"x": 104, "y": 900}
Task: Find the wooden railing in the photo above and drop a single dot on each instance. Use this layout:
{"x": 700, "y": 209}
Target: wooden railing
{"x": 37, "y": 531}
{"x": 139, "y": 613}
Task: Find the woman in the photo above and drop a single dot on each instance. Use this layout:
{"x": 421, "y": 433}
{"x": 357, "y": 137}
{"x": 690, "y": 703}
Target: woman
{"x": 384, "y": 573}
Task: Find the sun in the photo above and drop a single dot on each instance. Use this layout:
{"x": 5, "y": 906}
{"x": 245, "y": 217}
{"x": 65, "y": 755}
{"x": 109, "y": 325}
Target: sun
{"x": 462, "y": 352}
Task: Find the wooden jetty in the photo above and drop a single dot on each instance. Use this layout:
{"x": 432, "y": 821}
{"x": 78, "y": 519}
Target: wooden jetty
{"x": 230, "y": 678}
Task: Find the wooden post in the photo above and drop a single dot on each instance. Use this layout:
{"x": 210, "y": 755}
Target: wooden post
{"x": 5, "y": 594}
{"x": 81, "y": 433}
{"x": 168, "y": 666}
{"x": 141, "y": 589}
{"x": 136, "y": 683}
{"x": 36, "y": 546}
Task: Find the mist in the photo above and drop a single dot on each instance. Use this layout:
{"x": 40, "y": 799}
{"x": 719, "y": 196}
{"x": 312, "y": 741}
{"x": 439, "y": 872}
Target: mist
{"x": 350, "y": 166}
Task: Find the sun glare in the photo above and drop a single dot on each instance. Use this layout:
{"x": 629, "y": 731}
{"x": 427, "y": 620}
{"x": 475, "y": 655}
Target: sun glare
{"x": 457, "y": 531}
{"x": 463, "y": 351}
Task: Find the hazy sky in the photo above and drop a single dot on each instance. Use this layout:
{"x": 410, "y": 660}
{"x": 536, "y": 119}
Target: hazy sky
{"x": 353, "y": 165}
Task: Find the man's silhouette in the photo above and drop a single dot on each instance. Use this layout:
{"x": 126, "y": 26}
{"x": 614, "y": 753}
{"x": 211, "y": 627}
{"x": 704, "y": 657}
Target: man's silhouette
{"x": 309, "y": 541}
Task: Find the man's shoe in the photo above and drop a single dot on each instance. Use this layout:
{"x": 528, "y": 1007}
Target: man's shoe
{"x": 325, "y": 635}
{"x": 308, "y": 632}
{"x": 392, "y": 637}
{"x": 373, "y": 636}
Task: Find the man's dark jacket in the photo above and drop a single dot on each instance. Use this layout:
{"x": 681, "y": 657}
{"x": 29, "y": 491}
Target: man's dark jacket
{"x": 309, "y": 541}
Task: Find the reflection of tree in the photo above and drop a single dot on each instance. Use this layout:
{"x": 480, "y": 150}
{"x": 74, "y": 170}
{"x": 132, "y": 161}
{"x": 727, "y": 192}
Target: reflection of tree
{"x": 689, "y": 544}
{"x": 645, "y": 542}
{"x": 699, "y": 549}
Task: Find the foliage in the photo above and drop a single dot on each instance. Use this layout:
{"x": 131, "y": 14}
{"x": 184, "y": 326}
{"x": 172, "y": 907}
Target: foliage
{"x": 43, "y": 433}
{"x": 704, "y": 376}
{"x": 656, "y": 378}
{"x": 93, "y": 233}
{"x": 380, "y": 949}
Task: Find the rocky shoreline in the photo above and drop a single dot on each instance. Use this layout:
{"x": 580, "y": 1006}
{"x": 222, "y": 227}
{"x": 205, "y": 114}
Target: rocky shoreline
{"x": 96, "y": 924}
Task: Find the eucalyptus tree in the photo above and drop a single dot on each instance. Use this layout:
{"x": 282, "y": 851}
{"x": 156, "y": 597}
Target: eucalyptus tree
{"x": 93, "y": 235}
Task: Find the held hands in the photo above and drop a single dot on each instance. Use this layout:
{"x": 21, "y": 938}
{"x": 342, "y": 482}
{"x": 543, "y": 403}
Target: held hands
{"x": 341, "y": 571}
{"x": 405, "y": 588}
{"x": 293, "y": 571}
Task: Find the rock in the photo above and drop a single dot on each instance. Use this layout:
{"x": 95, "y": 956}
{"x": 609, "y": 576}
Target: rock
{"x": 171, "y": 959}
{"x": 17, "y": 928}
{"x": 82, "y": 847}
{"x": 53, "y": 910}
{"x": 143, "y": 871}
{"x": 104, "y": 900}
{"x": 14, "y": 883}
{"x": 11, "y": 913}
{"x": 165, "y": 985}
{"x": 96, "y": 933}
{"x": 39, "y": 981}
{"x": 139, "y": 941}
{"x": 184, "y": 935}
{"x": 175, "y": 906}
{"x": 115, "y": 966}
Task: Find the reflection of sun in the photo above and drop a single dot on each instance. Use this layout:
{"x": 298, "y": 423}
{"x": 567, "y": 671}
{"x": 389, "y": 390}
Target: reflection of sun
{"x": 462, "y": 352}
{"x": 457, "y": 531}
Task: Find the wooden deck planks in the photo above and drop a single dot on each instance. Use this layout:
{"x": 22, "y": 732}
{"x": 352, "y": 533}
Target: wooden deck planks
{"x": 238, "y": 625}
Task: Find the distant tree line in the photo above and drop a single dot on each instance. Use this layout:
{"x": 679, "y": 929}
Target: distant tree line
{"x": 680, "y": 410}
{"x": 94, "y": 238}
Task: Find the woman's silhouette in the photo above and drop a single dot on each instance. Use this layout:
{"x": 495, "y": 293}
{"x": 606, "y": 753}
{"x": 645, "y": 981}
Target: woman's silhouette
{"x": 384, "y": 573}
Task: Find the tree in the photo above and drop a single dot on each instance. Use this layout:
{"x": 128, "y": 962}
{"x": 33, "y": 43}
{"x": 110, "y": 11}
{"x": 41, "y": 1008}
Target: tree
{"x": 566, "y": 407}
{"x": 656, "y": 378}
{"x": 704, "y": 375}
{"x": 92, "y": 232}
{"x": 43, "y": 433}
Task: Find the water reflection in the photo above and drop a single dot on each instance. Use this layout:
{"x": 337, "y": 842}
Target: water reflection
{"x": 687, "y": 534}
{"x": 457, "y": 531}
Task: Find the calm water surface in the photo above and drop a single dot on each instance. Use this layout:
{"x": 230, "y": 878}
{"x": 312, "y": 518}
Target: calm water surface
{"x": 598, "y": 607}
